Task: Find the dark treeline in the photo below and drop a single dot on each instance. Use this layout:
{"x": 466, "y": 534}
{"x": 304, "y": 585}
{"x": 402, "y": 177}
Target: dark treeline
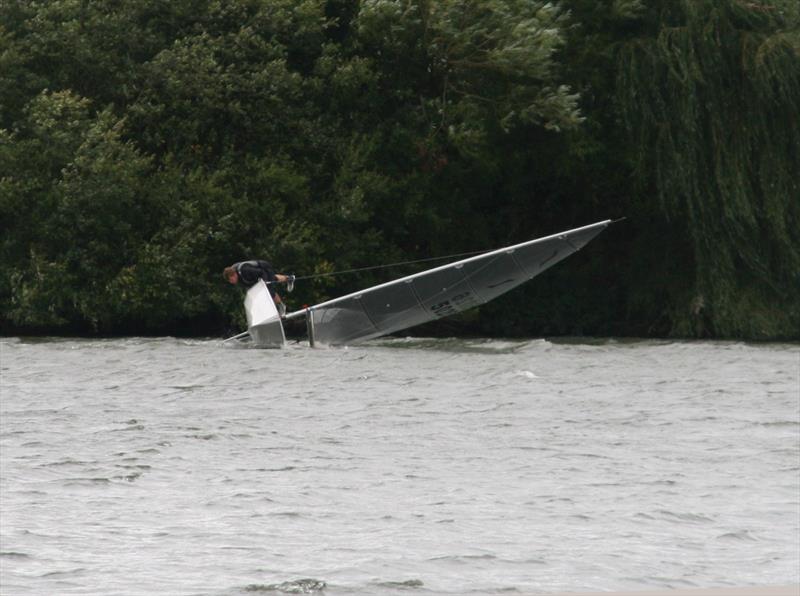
{"x": 146, "y": 144}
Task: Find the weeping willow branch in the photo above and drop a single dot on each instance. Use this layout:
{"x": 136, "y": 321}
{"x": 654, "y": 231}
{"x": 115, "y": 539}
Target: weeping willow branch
{"x": 709, "y": 97}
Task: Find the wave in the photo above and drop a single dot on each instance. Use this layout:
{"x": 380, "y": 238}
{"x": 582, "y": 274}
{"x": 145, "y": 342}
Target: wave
{"x": 298, "y": 586}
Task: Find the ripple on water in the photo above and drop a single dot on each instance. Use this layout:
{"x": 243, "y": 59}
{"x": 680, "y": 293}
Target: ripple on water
{"x": 297, "y": 586}
{"x": 15, "y": 555}
{"x": 407, "y": 584}
{"x": 404, "y": 466}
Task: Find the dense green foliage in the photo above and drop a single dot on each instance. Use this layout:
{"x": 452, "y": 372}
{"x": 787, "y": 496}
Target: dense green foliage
{"x": 711, "y": 90}
{"x": 145, "y": 145}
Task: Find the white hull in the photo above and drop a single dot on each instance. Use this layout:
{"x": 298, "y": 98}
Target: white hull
{"x": 263, "y": 321}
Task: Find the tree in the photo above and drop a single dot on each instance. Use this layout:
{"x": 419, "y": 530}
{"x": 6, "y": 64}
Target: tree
{"x": 709, "y": 92}
{"x": 81, "y": 201}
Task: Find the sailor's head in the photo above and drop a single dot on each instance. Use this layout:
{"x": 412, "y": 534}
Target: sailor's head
{"x": 230, "y": 274}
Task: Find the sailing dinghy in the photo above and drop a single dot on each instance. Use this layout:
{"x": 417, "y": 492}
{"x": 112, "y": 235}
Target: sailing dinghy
{"x": 418, "y": 298}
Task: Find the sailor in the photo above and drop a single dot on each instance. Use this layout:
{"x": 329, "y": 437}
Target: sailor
{"x": 247, "y": 273}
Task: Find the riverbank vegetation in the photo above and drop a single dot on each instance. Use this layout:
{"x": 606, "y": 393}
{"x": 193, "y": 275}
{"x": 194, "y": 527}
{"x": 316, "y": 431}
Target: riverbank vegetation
{"x": 145, "y": 145}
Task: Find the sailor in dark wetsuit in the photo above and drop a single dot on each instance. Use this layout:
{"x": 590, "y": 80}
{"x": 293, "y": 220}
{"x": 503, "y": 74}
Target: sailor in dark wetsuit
{"x": 247, "y": 274}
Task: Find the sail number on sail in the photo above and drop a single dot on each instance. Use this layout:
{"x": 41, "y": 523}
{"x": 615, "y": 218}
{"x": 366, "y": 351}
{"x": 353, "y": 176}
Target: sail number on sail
{"x": 455, "y": 304}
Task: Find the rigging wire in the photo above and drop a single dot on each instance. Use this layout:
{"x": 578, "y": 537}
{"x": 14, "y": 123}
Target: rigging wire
{"x": 400, "y": 263}
{"x": 359, "y": 269}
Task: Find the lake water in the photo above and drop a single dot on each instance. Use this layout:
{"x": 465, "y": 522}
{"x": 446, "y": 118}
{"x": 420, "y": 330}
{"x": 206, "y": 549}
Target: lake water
{"x": 165, "y": 466}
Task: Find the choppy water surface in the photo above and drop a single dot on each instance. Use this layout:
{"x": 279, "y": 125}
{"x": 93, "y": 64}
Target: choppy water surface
{"x": 162, "y": 466}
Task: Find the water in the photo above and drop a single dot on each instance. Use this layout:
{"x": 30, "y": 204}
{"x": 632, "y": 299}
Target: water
{"x": 163, "y": 466}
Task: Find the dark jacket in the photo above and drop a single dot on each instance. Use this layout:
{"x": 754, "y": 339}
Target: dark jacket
{"x": 251, "y": 271}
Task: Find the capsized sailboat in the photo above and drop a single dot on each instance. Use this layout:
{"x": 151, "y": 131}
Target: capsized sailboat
{"x": 418, "y": 298}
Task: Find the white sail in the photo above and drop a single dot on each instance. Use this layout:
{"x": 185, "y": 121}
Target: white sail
{"x": 442, "y": 291}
